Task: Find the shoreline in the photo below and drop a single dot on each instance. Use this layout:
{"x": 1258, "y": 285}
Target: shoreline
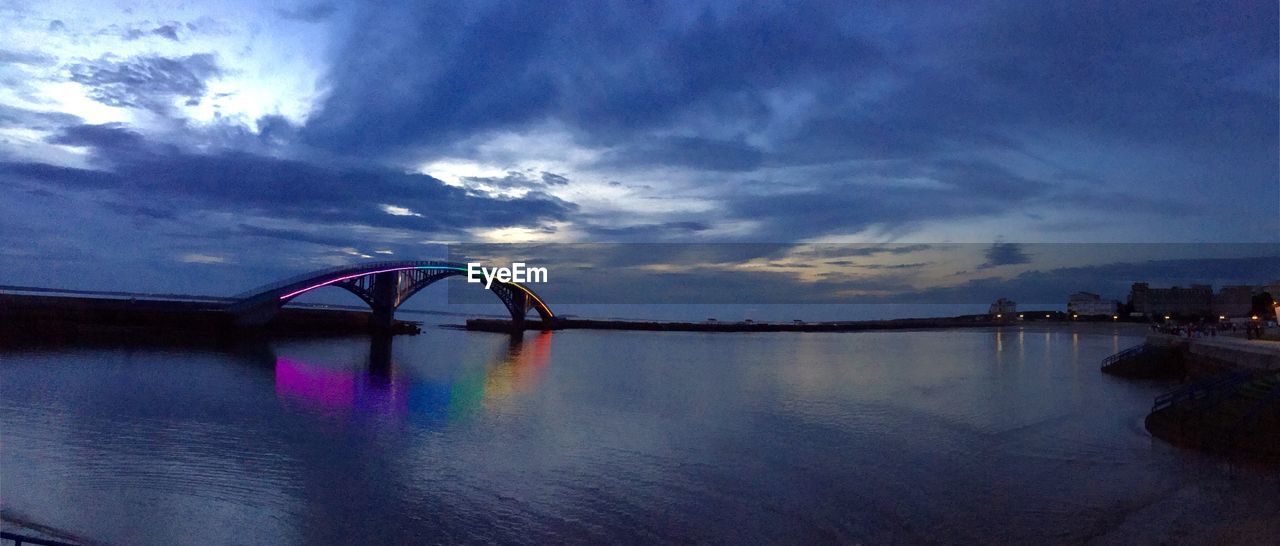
{"x": 26, "y": 318}
{"x": 930, "y": 323}
{"x": 1228, "y": 401}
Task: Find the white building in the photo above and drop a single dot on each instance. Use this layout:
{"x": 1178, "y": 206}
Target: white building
{"x": 1003, "y": 307}
{"x": 1087, "y": 304}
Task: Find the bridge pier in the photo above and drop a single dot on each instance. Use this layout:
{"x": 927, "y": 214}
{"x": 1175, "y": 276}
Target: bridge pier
{"x": 519, "y": 308}
{"x": 517, "y": 323}
{"x": 384, "y": 301}
{"x": 380, "y": 356}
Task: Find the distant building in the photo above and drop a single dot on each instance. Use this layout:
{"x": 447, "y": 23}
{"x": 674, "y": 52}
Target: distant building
{"x": 1002, "y": 307}
{"x": 1233, "y": 301}
{"x": 1154, "y": 302}
{"x": 1088, "y": 304}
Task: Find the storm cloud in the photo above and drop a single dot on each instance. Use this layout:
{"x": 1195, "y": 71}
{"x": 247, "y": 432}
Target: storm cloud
{"x": 146, "y": 82}
{"x": 1004, "y": 254}
{"x": 232, "y": 181}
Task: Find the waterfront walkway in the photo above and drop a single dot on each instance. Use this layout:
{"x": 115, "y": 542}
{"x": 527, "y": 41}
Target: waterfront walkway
{"x": 1245, "y": 354}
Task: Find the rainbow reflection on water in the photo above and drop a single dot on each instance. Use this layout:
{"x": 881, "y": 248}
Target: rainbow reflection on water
{"x": 379, "y": 390}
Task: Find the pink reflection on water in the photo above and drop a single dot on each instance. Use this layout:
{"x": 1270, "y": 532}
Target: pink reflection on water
{"x": 330, "y": 390}
{"x": 339, "y": 392}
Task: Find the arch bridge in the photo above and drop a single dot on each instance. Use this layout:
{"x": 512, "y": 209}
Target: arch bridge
{"x": 383, "y": 286}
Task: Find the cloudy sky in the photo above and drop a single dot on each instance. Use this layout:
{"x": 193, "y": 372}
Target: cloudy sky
{"x": 212, "y": 146}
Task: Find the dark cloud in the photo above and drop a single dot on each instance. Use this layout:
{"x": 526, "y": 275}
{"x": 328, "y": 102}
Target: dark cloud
{"x": 520, "y": 180}
{"x": 276, "y": 129}
{"x": 553, "y": 179}
{"x": 295, "y": 235}
{"x": 958, "y": 190}
{"x": 819, "y": 251}
{"x": 312, "y": 13}
{"x": 697, "y": 153}
{"x": 605, "y": 70}
{"x": 242, "y": 183}
{"x": 61, "y": 177}
{"x": 627, "y": 67}
{"x": 658, "y": 231}
{"x": 880, "y": 267}
{"x": 140, "y": 211}
{"x": 25, "y": 57}
{"x": 168, "y": 31}
{"x": 986, "y": 179}
{"x": 1159, "y": 74}
{"x": 12, "y": 116}
{"x": 105, "y": 136}
{"x": 999, "y": 254}
{"x": 722, "y": 89}
{"x": 153, "y": 83}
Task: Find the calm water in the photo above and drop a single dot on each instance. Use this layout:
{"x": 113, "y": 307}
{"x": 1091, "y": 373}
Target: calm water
{"x": 941, "y": 436}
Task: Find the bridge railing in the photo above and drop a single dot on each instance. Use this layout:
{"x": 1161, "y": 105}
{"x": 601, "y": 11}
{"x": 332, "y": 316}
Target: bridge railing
{"x": 1134, "y": 351}
{"x": 370, "y": 266}
{"x": 19, "y": 540}
{"x": 1210, "y": 389}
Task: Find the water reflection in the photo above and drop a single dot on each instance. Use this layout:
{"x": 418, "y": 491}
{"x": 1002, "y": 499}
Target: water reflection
{"x": 380, "y": 388}
{"x": 1000, "y": 347}
{"x": 875, "y": 437}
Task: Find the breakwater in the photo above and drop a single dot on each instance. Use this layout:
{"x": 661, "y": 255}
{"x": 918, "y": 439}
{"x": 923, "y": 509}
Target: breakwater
{"x": 965, "y": 321}
{"x": 43, "y": 318}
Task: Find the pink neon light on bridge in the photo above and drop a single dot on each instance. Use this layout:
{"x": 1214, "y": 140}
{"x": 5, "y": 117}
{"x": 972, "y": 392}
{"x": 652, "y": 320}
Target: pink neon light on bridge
{"x": 340, "y": 279}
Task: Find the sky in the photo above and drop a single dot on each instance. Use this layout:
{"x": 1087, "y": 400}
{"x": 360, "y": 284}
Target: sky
{"x": 208, "y": 147}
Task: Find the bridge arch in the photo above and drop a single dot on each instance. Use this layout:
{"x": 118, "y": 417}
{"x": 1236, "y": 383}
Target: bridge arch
{"x": 381, "y": 285}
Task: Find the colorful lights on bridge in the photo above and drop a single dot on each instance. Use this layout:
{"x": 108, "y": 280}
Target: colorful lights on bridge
{"x": 460, "y": 270}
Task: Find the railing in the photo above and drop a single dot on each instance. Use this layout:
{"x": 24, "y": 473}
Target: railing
{"x": 1255, "y": 413}
{"x": 1136, "y": 350}
{"x": 19, "y": 540}
{"x": 1201, "y": 390}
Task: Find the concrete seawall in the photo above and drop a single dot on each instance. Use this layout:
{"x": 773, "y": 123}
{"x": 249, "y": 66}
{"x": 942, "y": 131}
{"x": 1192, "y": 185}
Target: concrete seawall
{"x": 1222, "y": 353}
{"x": 1231, "y": 405}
